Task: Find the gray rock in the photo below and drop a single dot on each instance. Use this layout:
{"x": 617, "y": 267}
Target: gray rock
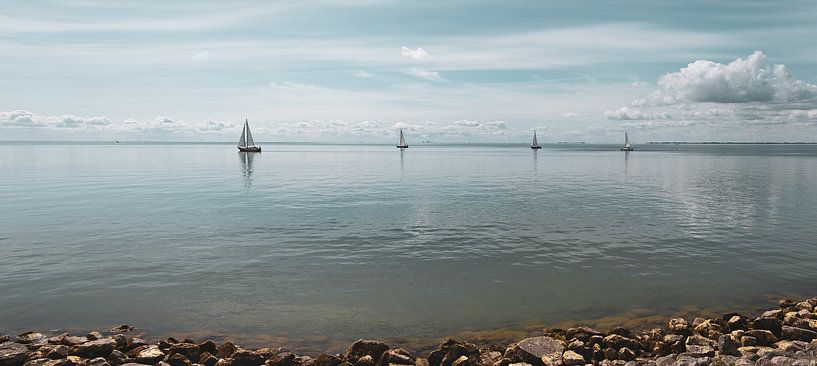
{"x": 149, "y": 355}
{"x": 93, "y": 349}
{"x": 771, "y": 324}
{"x": 32, "y": 338}
{"x": 245, "y": 357}
{"x": 782, "y": 361}
{"x": 571, "y": 358}
{"x": 727, "y": 345}
{"x": 799, "y": 334}
{"x": 665, "y": 361}
{"x": 539, "y": 351}
{"x": 12, "y": 354}
{"x": 99, "y": 361}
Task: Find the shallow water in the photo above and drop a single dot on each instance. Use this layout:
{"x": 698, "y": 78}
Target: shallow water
{"x": 317, "y": 242}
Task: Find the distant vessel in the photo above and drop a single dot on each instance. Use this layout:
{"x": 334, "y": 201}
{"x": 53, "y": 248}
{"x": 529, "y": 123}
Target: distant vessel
{"x": 245, "y": 143}
{"x": 627, "y": 146}
{"x": 535, "y": 144}
{"x": 117, "y": 141}
{"x": 402, "y": 144}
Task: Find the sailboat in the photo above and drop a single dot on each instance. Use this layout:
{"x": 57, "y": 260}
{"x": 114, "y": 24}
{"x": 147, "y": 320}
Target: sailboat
{"x": 627, "y": 146}
{"x": 535, "y": 144}
{"x": 402, "y": 144}
{"x": 245, "y": 143}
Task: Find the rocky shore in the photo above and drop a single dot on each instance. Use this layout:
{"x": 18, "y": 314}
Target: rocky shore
{"x": 786, "y": 336}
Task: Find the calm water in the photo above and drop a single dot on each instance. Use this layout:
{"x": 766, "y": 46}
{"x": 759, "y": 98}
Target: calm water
{"x": 343, "y": 242}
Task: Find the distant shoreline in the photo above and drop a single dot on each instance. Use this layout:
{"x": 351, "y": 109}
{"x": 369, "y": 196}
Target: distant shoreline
{"x": 727, "y": 143}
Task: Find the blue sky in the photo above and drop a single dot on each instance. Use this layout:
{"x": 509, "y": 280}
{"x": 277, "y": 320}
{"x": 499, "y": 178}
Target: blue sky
{"x": 355, "y": 70}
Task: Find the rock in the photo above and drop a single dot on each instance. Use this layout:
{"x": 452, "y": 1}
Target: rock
{"x": 622, "y": 331}
{"x": 401, "y": 357}
{"x": 798, "y": 334}
{"x": 327, "y": 360}
{"x": 177, "y": 359}
{"x": 366, "y": 348}
{"x": 117, "y": 358}
{"x": 32, "y": 338}
{"x": 462, "y": 361}
{"x": 420, "y": 361}
{"x": 226, "y": 350}
{"x": 538, "y": 351}
{"x": 582, "y": 333}
{"x": 365, "y": 361}
{"x": 99, "y": 361}
{"x": 617, "y": 341}
{"x": 707, "y": 327}
{"x": 122, "y": 328}
{"x": 282, "y": 359}
{"x": 487, "y": 358}
{"x": 245, "y": 357}
{"x": 764, "y": 337}
{"x": 626, "y": 354}
{"x": 207, "y": 359}
{"x": 727, "y": 345}
{"x": 748, "y": 341}
{"x": 189, "y": 350}
{"x": 768, "y": 323}
{"x": 700, "y": 351}
{"x": 95, "y": 348}
{"x": 665, "y": 361}
{"x": 92, "y": 336}
{"x": 149, "y": 355}
{"x": 12, "y": 354}
{"x": 782, "y": 361}
{"x": 570, "y": 358}
{"x": 208, "y": 346}
{"x": 678, "y": 326}
{"x": 610, "y": 354}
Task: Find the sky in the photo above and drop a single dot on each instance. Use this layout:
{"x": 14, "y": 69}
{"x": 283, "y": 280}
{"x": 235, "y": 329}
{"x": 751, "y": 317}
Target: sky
{"x": 447, "y": 71}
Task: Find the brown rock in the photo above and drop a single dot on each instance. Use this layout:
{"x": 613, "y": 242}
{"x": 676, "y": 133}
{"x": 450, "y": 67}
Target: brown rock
{"x": 189, "y": 350}
{"x": 245, "y": 357}
{"x": 207, "y": 359}
{"x": 570, "y": 358}
{"x": 177, "y": 359}
{"x": 282, "y": 359}
{"x": 327, "y": 360}
{"x": 764, "y": 337}
{"x": 363, "y": 347}
{"x": 798, "y": 334}
{"x": 226, "y": 350}
{"x": 773, "y": 325}
{"x": 678, "y": 326}
{"x": 538, "y": 351}
{"x": 208, "y": 346}
{"x": 92, "y": 349}
{"x": 99, "y": 361}
{"x": 149, "y": 355}
{"x": 12, "y": 354}
{"x": 92, "y": 336}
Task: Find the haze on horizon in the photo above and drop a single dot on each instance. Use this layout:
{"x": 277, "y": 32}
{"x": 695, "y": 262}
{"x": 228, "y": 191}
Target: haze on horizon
{"x": 355, "y": 70}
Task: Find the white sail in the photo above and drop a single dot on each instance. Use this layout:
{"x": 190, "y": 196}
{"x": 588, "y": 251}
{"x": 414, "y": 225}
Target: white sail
{"x": 242, "y": 142}
{"x": 402, "y": 139}
{"x": 250, "y": 142}
{"x": 626, "y": 140}
{"x": 534, "y": 143}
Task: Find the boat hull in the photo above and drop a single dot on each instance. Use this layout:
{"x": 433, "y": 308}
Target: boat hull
{"x": 536, "y": 147}
{"x": 402, "y": 147}
{"x": 249, "y": 148}
{"x": 626, "y": 149}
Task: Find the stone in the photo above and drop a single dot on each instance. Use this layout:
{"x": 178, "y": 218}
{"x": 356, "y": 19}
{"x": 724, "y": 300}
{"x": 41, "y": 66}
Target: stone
{"x": 764, "y": 337}
{"x": 366, "y": 348}
{"x": 748, "y": 341}
{"x": 189, "y": 350}
{"x": 177, "y": 359}
{"x": 401, "y": 357}
{"x": 782, "y": 361}
{"x": 122, "y": 328}
{"x": 727, "y": 345}
{"x": 695, "y": 350}
{"x": 798, "y": 334}
{"x": 610, "y": 354}
{"x": 95, "y": 348}
{"x": 98, "y": 361}
{"x": 92, "y": 336}
{"x": 626, "y": 354}
{"x": 538, "y": 351}
{"x": 32, "y": 338}
{"x": 570, "y": 358}
{"x": 461, "y": 361}
{"x": 421, "y": 361}
{"x": 327, "y": 360}
{"x": 12, "y": 354}
{"x": 678, "y": 325}
{"x": 149, "y": 355}
{"x": 208, "y": 346}
{"x": 207, "y": 359}
{"x": 622, "y": 331}
{"x": 768, "y": 323}
{"x": 226, "y": 350}
{"x": 366, "y": 360}
{"x": 487, "y": 358}
{"x": 282, "y": 359}
{"x": 617, "y": 341}
{"x": 117, "y": 357}
{"x": 245, "y": 357}
{"x": 582, "y": 333}
{"x": 665, "y": 361}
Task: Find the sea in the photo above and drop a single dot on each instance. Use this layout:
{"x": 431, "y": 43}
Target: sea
{"x": 312, "y": 246}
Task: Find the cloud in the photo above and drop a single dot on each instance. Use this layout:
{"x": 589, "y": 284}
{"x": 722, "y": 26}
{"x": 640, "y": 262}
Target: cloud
{"x": 363, "y": 74}
{"x": 626, "y": 113}
{"x": 425, "y": 74}
{"x": 71, "y": 121}
{"x": 740, "y": 81}
{"x": 18, "y": 118}
{"x": 201, "y": 55}
{"x": 639, "y": 84}
{"x": 417, "y": 54}
{"x": 574, "y": 114}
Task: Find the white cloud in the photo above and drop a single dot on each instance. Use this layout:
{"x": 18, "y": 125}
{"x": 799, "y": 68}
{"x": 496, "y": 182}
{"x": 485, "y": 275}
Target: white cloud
{"x": 18, "y": 118}
{"x": 626, "y": 113}
{"x": 201, "y": 55}
{"x": 425, "y": 74}
{"x": 574, "y": 114}
{"x": 71, "y": 121}
{"x": 740, "y": 81}
{"x": 418, "y": 53}
{"x": 363, "y": 74}
{"x": 639, "y": 84}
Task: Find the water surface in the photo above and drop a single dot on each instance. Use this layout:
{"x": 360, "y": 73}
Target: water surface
{"x": 342, "y": 242}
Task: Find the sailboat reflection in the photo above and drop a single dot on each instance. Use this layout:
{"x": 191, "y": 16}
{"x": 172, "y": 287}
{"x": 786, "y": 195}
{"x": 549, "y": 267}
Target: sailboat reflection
{"x": 246, "y": 167}
{"x": 535, "y": 161}
{"x": 626, "y": 157}
{"x": 401, "y": 159}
